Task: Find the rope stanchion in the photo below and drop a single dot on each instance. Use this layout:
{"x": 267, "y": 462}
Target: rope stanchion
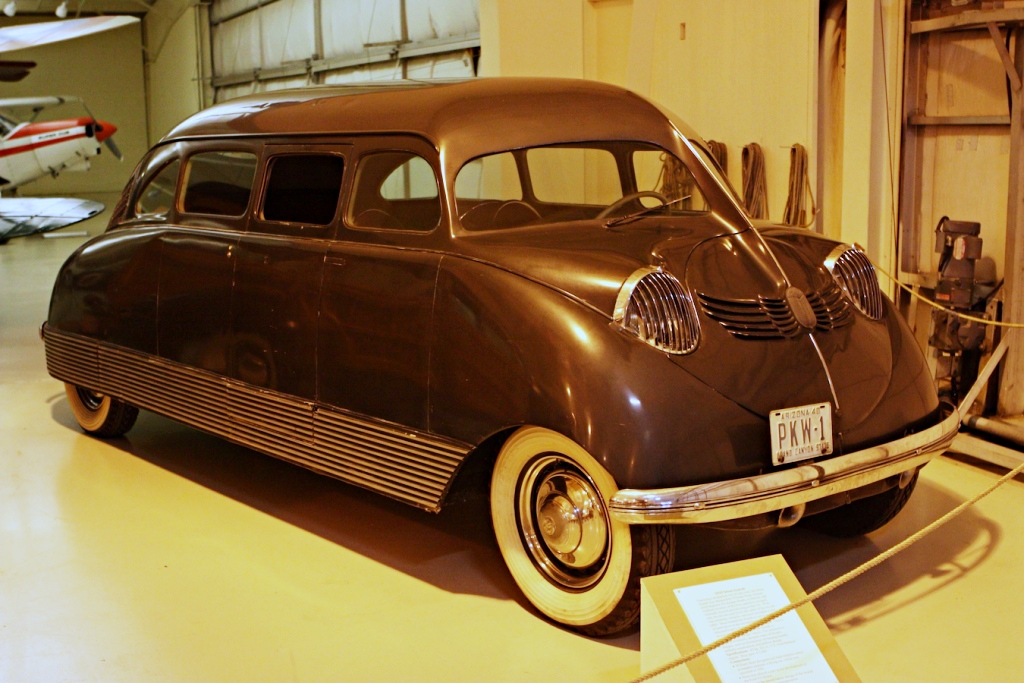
{"x": 832, "y": 585}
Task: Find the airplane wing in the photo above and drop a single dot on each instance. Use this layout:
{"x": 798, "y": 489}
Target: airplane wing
{"x": 33, "y": 35}
{"x": 22, "y": 216}
{"x": 36, "y": 102}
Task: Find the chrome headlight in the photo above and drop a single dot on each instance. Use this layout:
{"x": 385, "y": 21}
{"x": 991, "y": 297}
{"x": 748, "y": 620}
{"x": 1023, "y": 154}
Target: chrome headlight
{"x": 853, "y": 272}
{"x": 655, "y": 307}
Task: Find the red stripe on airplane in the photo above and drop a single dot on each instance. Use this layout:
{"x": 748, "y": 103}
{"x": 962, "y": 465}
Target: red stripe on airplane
{"x": 49, "y": 127}
{"x": 10, "y": 151}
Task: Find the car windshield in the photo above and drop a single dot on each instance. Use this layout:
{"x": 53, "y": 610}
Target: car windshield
{"x": 581, "y": 181}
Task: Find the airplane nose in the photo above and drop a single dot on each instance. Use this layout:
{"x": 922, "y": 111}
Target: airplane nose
{"x": 104, "y": 130}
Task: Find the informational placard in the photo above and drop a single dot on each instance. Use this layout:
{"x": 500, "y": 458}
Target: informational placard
{"x": 781, "y": 650}
{"x": 684, "y": 611}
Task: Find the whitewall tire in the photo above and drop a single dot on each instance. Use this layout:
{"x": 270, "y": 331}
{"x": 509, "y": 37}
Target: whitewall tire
{"x": 100, "y": 414}
{"x": 574, "y": 562}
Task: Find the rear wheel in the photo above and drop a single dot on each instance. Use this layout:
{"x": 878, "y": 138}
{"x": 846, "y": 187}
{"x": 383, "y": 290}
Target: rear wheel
{"x": 98, "y": 413}
{"x": 574, "y": 562}
{"x": 862, "y": 516}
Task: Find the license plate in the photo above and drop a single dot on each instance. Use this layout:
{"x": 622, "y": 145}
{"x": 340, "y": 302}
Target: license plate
{"x": 800, "y": 433}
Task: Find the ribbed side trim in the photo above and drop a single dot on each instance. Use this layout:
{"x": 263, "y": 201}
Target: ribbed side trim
{"x": 411, "y": 466}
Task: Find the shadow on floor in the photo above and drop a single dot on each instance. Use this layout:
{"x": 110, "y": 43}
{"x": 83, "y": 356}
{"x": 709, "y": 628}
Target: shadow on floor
{"x": 946, "y": 555}
{"x": 387, "y": 531}
{"x": 412, "y": 541}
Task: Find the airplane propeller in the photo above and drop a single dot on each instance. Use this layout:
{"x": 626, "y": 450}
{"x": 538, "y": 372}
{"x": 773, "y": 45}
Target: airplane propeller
{"x": 112, "y": 146}
{"x": 107, "y": 139}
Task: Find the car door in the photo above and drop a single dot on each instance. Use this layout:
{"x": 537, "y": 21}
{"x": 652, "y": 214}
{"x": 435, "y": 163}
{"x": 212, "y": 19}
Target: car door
{"x": 278, "y": 270}
{"x": 378, "y": 286}
{"x": 275, "y": 300}
{"x": 197, "y": 258}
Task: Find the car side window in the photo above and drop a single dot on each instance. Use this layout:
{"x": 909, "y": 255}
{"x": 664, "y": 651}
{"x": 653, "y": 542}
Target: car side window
{"x": 395, "y": 191}
{"x": 157, "y": 197}
{"x": 490, "y": 178}
{"x": 414, "y": 179}
{"x": 218, "y": 183}
{"x": 489, "y": 185}
{"x": 303, "y": 188}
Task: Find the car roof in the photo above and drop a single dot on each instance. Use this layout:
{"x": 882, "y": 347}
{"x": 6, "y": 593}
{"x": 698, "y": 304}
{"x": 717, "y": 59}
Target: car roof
{"x": 462, "y": 119}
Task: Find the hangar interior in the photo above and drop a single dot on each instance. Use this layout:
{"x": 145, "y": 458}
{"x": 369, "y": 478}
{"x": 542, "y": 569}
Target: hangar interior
{"x": 172, "y": 555}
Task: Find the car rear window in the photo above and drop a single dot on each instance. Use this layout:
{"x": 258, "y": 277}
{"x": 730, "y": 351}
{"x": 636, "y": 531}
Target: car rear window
{"x": 218, "y": 183}
{"x": 303, "y": 188}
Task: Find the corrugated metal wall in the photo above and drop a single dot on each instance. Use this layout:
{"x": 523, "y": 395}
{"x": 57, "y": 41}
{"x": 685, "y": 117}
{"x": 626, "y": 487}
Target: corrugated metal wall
{"x": 261, "y": 45}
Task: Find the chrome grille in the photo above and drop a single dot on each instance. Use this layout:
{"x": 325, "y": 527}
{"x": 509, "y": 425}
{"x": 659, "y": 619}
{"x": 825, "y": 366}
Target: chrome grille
{"x": 771, "y": 318}
{"x": 853, "y": 271}
{"x": 409, "y": 465}
{"x": 661, "y": 313}
{"x": 831, "y": 308}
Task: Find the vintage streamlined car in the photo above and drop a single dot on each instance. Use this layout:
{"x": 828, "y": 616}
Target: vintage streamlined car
{"x": 547, "y": 280}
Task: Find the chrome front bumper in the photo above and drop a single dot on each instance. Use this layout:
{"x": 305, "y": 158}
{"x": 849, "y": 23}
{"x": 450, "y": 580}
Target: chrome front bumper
{"x": 736, "y": 498}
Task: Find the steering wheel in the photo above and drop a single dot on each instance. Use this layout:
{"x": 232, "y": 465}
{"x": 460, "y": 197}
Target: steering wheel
{"x": 514, "y": 213}
{"x": 632, "y": 196}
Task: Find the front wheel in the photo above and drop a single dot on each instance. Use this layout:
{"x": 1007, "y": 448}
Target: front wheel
{"x": 862, "y": 516}
{"x": 98, "y": 413}
{"x": 574, "y": 562}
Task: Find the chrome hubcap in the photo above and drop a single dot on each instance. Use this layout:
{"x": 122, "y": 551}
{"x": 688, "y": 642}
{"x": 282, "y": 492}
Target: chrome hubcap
{"x": 90, "y": 399}
{"x": 564, "y": 522}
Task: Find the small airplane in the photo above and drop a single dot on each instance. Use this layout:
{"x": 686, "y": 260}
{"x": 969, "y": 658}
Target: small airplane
{"x": 30, "y": 150}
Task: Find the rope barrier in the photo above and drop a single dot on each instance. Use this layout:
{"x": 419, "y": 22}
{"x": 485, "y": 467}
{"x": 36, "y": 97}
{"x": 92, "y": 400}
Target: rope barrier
{"x": 832, "y": 585}
{"x": 958, "y": 314}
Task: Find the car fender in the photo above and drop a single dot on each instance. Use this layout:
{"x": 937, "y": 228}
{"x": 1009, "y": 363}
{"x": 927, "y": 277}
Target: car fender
{"x": 107, "y": 289}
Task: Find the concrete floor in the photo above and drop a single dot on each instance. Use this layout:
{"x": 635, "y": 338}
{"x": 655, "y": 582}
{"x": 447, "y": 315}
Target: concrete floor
{"x": 170, "y": 555}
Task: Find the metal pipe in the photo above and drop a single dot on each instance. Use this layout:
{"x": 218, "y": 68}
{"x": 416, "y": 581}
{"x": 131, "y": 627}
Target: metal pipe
{"x": 996, "y": 428}
{"x": 791, "y": 515}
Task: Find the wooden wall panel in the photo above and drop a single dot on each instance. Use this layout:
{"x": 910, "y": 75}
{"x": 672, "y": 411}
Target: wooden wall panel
{"x": 965, "y": 169}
